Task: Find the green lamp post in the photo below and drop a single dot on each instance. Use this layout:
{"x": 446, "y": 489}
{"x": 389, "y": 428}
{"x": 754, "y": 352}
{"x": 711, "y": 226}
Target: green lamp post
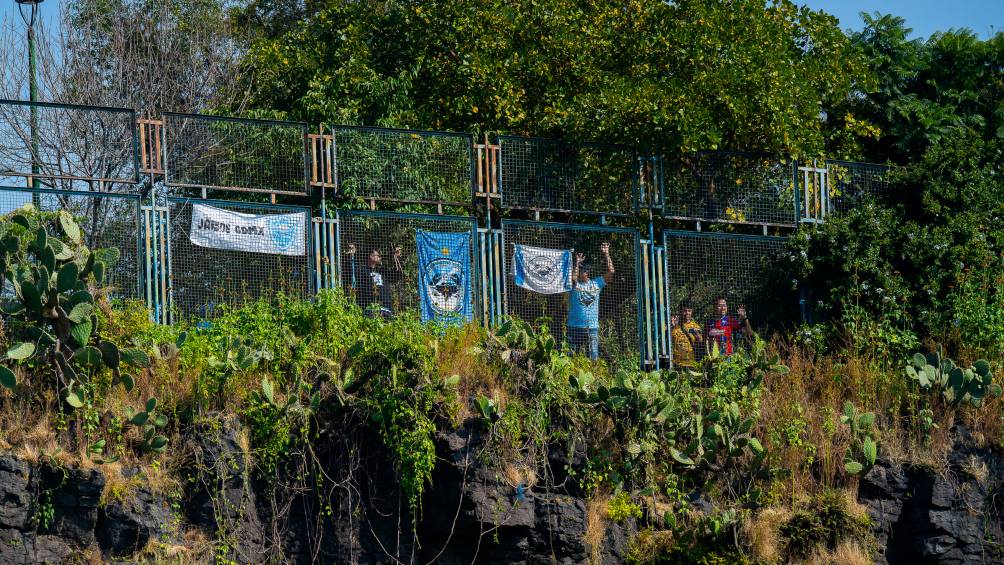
{"x": 29, "y": 13}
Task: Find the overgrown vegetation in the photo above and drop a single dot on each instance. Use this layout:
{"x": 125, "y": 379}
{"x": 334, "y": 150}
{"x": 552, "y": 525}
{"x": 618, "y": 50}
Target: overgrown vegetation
{"x": 773, "y": 430}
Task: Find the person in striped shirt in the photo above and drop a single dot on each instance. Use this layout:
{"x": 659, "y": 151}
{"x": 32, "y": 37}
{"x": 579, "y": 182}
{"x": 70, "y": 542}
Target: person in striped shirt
{"x": 723, "y": 328}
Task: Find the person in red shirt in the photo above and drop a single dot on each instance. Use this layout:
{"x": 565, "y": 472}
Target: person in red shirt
{"x": 723, "y": 327}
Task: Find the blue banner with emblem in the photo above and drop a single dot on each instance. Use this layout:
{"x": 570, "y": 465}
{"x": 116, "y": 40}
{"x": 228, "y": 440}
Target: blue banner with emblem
{"x": 444, "y": 276}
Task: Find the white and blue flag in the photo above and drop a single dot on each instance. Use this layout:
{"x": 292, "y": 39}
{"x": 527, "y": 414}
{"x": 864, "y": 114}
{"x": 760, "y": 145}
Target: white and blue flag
{"x": 546, "y": 271}
{"x": 444, "y": 276}
{"x": 279, "y": 234}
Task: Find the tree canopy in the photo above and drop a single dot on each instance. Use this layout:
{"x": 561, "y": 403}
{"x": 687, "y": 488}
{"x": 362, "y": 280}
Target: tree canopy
{"x": 693, "y": 74}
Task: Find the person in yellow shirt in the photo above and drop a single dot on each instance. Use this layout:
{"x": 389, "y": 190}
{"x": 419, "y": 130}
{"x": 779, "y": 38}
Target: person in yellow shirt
{"x": 687, "y": 337}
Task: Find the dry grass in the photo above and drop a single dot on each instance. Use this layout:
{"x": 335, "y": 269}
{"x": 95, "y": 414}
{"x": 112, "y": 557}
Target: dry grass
{"x": 847, "y": 552}
{"x": 460, "y": 355}
{"x": 596, "y": 526}
{"x": 808, "y": 401}
{"x": 762, "y": 533}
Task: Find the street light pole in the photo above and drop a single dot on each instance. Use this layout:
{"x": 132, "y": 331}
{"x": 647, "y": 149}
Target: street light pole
{"x": 29, "y": 21}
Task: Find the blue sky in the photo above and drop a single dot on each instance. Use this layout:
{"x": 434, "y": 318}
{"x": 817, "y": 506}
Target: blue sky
{"x": 924, "y": 16}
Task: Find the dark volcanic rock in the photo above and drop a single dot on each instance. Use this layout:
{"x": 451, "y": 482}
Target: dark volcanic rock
{"x": 919, "y": 515}
{"x": 125, "y": 526}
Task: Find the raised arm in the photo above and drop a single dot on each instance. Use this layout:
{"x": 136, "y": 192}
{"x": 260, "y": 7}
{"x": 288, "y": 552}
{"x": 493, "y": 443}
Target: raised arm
{"x": 744, "y": 322}
{"x": 605, "y": 250}
{"x": 579, "y": 258}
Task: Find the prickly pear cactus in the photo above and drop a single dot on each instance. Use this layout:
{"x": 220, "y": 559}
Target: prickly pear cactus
{"x": 50, "y": 311}
{"x": 958, "y": 385}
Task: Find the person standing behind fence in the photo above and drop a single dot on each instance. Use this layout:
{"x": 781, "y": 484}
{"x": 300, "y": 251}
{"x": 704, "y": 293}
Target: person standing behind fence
{"x": 373, "y": 294}
{"x": 687, "y": 337}
{"x": 722, "y": 328}
{"x": 584, "y": 304}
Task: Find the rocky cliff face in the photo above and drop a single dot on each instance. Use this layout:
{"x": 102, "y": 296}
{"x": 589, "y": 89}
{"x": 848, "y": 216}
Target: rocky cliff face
{"x": 950, "y": 515}
{"x": 54, "y": 515}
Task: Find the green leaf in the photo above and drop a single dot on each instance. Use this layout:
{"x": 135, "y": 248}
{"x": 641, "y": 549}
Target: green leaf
{"x": 70, "y": 227}
{"x": 160, "y": 421}
{"x": 266, "y": 388}
{"x": 41, "y": 240}
{"x": 74, "y": 400}
{"x": 109, "y": 354}
{"x": 853, "y": 467}
{"x": 67, "y": 277}
{"x": 140, "y": 419}
{"x": 755, "y": 446}
{"x": 7, "y": 378}
{"x": 31, "y": 297}
{"x": 81, "y": 333}
{"x": 866, "y": 420}
{"x": 452, "y": 381}
{"x": 63, "y": 252}
{"x": 21, "y": 351}
{"x": 89, "y": 355}
{"x": 158, "y": 444}
{"x": 982, "y": 367}
{"x": 151, "y": 403}
{"x": 99, "y": 272}
{"x": 919, "y": 360}
{"x": 21, "y": 220}
{"x": 134, "y": 356}
{"x": 128, "y": 382}
{"x": 180, "y": 341}
{"x": 680, "y": 457}
{"x": 870, "y": 450}
{"x": 81, "y": 312}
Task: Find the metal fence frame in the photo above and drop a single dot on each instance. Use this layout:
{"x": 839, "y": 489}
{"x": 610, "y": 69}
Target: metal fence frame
{"x": 135, "y": 198}
{"x": 784, "y": 161}
{"x": 669, "y": 234}
{"x": 639, "y": 288}
{"x": 476, "y": 290}
{"x": 135, "y": 165}
{"x": 506, "y": 197}
{"x": 471, "y": 155}
{"x": 305, "y": 154}
{"x": 310, "y": 283}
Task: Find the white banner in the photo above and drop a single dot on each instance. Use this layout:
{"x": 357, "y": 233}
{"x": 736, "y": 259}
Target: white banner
{"x": 279, "y": 234}
{"x": 547, "y": 271}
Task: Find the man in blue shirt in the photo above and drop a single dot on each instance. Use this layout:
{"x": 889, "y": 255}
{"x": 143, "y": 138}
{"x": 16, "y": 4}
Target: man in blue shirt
{"x": 584, "y": 304}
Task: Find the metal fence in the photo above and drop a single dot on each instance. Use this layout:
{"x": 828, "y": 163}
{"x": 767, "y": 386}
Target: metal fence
{"x": 554, "y": 175}
{"x": 260, "y": 262}
{"x": 217, "y": 153}
{"x": 67, "y": 147}
{"x": 731, "y": 187}
{"x": 381, "y": 267}
{"x": 108, "y": 221}
{"x": 618, "y": 315}
{"x": 849, "y": 182}
{"x": 404, "y": 165}
{"x": 745, "y": 270}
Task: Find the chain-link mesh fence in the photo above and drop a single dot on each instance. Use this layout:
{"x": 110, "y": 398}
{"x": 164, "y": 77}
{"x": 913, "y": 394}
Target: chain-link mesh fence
{"x": 731, "y": 187}
{"x": 745, "y": 270}
{"x": 850, "y": 182}
{"x": 228, "y": 253}
{"x": 392, "y": 263}
{"x": 106, "y": 220}
{"x": 547, "y": 174}
{"x": 404, "y": 165}
{"x": 540, "y": 283}
{"x": 235, "y": 154}
{"x": 67, "y": 147}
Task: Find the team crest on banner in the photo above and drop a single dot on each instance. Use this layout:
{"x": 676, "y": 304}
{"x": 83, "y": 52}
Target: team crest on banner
{"x": 444, "y": 276}
{"x": 546, "y": 271}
